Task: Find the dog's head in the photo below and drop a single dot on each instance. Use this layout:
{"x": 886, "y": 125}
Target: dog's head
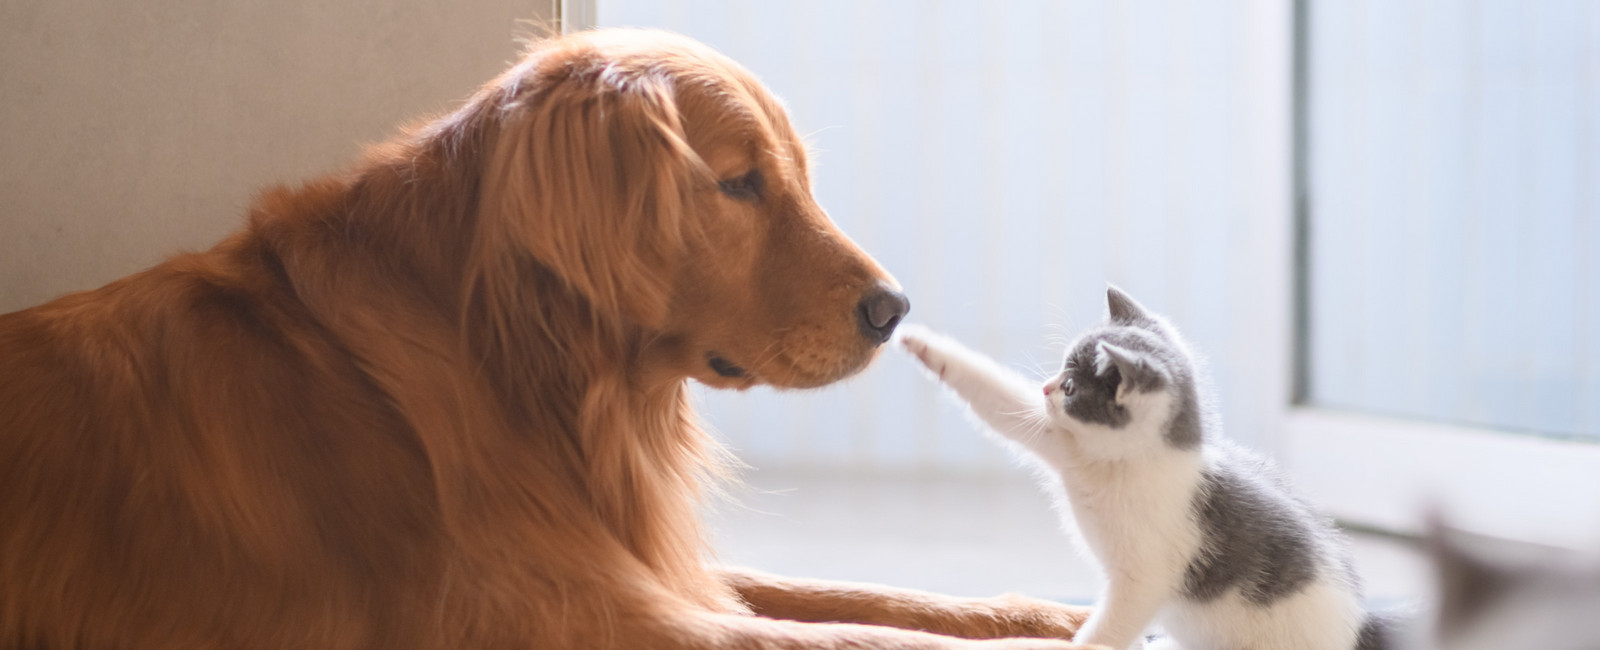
{"x": 664, "y": 184}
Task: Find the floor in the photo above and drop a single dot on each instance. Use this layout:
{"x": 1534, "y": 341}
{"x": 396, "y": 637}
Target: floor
{"x": 960, "y": 536}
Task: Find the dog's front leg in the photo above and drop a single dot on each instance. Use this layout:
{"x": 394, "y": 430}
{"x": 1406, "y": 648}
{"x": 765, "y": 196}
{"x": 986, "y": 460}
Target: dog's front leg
{"x": 973, "y": 618}
{"x": 734, "y": 632}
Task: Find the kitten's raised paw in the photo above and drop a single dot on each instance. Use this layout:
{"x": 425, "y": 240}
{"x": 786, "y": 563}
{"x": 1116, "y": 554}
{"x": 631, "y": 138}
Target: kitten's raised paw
{"x": 921, "y": 342}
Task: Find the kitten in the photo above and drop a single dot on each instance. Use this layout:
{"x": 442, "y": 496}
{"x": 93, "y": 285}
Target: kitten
{"x": 1189, "y": 529}
{"x": 1501, "y": 595}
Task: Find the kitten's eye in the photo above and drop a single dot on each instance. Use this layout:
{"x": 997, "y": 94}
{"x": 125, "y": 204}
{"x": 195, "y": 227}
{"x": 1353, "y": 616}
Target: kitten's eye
{"x": 742, "y": 188}
{"x": 1067, "y": 389}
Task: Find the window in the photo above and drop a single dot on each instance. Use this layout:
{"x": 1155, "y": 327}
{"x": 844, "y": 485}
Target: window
{"x": 1453, "y": 305}
{"x": 1455, "y": 213}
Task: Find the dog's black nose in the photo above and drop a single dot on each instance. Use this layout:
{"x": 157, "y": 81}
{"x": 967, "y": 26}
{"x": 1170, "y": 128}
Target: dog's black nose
{"x": 880, "y": 311}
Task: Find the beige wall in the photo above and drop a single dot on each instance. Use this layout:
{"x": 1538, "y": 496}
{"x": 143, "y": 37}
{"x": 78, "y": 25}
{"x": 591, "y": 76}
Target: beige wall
{"x": 133, "y": 130}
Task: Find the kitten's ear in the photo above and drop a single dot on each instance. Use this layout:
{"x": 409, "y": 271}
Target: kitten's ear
{"x": 1135, "y": 371}
{"x": 1123, "y": 308}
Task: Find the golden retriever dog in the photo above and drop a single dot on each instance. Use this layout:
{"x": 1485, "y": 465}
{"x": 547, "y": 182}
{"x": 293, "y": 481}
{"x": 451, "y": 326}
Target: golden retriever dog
{"x": 440, "y": 400}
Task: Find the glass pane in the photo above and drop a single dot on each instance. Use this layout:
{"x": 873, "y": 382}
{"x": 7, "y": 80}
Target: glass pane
{"x": 1454, "y": 190}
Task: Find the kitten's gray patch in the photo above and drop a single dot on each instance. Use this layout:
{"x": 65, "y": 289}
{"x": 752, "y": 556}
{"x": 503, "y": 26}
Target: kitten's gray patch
{"x": 1139, "y": 372}
{"x": 1095, "y": 400}
{"x": 1099, "y": 411}
{"x": 1096, "y": 395}
{"x": 1187, "y": 428}
{"x": 1254, "y": 535}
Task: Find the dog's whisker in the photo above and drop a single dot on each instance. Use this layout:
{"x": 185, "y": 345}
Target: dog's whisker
{"x": 762, "y": 358}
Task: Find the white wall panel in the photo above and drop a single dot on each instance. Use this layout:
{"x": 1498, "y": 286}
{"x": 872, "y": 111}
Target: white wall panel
{"x": 131, "y": 131}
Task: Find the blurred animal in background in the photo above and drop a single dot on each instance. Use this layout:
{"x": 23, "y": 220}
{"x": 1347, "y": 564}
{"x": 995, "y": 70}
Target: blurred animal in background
{"x": 1497, "y": 595}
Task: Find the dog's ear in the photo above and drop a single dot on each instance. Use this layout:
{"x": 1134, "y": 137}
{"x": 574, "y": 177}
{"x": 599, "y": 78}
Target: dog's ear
{"x": 590, "y": 175}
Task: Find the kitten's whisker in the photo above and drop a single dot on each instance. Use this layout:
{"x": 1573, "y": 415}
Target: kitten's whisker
{"x": 1059, "y": 317}
{"x": 1039, "y": 369}
{"x": 1033, "y": 434}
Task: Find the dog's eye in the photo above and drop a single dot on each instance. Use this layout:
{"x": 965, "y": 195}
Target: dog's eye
{"x": 743, "y": 188}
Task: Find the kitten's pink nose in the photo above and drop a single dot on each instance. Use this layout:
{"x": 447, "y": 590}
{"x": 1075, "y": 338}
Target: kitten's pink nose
{"x": 1047, "y": 390}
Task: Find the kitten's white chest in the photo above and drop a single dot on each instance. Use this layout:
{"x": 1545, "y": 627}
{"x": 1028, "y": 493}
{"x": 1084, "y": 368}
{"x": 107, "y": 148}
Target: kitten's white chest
{"x": 1136, "y": 514}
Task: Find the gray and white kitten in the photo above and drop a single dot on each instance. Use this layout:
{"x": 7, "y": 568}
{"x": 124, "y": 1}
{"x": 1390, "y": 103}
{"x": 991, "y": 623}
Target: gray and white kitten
{"x": 1189, "y": 529}
{"x": 1499, "y": 595}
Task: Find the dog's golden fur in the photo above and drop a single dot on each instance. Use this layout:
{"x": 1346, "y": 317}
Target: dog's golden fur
{"x": 439, "y": 401}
